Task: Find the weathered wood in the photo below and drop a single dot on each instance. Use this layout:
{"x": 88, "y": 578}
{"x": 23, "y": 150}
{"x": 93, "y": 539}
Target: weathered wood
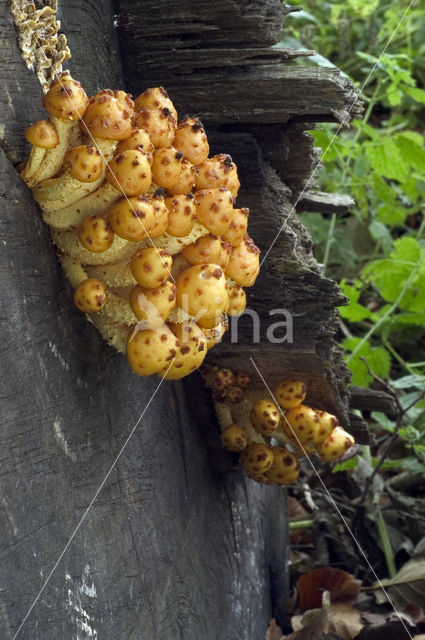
{"x": 321, "y": 202}
{"x": 372, "y": 400}
{"x": 171, "y": 547}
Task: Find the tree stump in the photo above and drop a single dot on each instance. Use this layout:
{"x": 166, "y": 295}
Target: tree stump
{"x": 175, "y": 543}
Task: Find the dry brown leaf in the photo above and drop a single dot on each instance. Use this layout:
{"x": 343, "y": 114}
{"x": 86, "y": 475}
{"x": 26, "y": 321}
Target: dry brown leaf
{"x": 407, "y": 587}
{"x": 344, "y": 620}
{"x": 312, "y": 625}
{"x": 339, "y": 618}
{"x": 274, "y": 632}
{"x": 342, "y": 586}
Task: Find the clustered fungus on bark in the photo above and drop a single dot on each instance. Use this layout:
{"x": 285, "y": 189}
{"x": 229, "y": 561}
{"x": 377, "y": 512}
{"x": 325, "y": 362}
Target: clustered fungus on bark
{"x": 270, "y": 435}
{"x": 144, "y": 222}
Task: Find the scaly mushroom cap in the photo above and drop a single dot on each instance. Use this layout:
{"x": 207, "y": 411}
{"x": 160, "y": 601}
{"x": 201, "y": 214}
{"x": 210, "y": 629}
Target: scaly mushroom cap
{"x": 138, "y": 139}
{"x": 190, "y": 353}
{"x": 285, "y": 468}
{"x": 327, "y": 423}
{"x": 222, "y": 380}
{"x": 290, "y": 393}
{"x": 166, "y": 166}
{"x": 130, "y": 172}
{"x": 300, "y": 424}
{"x": 234, "y": 395}
{"x": 153, "y": 306}
{"x": 160, "y": 125}
{"x": 132, "y": 218}
{"x": 42, "y": 134}
{"x": 265, "y": 417}
{"x": 186, "y": 181}
{"x": 191, "y": 140}
{"x": 215, "y": 334}
{"x": 84, "y": 162}
{"x": 149, "y": 351}
{"x": 90, "y": 295}
{"x": 335, "y": 445}
{"x": 242, "y": 379}
{"x": 202, "y": 292}
{"x": 208, "y": 249}
{"x": 151, "y": 266}
{"x": 244, "y": 263}
{"x": 181, "y": 215}
{"x": 257, "y": 458}
{"x": 237, "y": 300}
{"x": 155, "y": 98}
{"x": 238, "y": 227}
{"x": 161, "y": 215}
{"x": 95, "y": 234}
{"x": 213, "y": 172}
{"x": 109, "y": 115}
{"x": 66, "y": 98}
{"x": 233, "y": 183}
{"x": 214, "y": 209}
{"x": 234, "y": 438}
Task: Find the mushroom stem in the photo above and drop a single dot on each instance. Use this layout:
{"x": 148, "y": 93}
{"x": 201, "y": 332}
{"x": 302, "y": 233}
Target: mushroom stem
{"x": 114, "y": 332}
{"x": 75, "y": 213}
{"x": 69, "y": 243}
{"x": 55, "y": 194}
{"x": 32, "y": 164}
{"x": 69, "y": 134}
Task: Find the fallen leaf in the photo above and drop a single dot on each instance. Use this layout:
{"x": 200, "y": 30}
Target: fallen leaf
{"x": 407, "y": 587}
{"x": 338, "y": 620}
{"x": 310, "y": 626}
{"x": 344, "y": 620}
{"x": 274, "y": 632}
{"x": 342, "y": 586}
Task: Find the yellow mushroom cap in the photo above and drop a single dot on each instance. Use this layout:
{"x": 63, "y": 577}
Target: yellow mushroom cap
{"x": 191, "y": 352}
{"x": 335, "y": 445}
{"x": 208, "y": 249}
{"x": 237, "y": 300}
{"x": 149, "y": 351}
{"x": 265, "y": 417}
{"x": 130, "y": 172}
{"x": 166, "y": 166}
{"x": 202, "y": 292}
{"x": 132, "y": 218}
{"x": 90, "y": 295}
{"x": 234, "y": 438}
{"x": 213, "y": 172}
{"x": 138, "y": 139}
{"x": 190, "y": 138}
{"x": 181, "y": 215}
{"x": 161, "y": 215}
{"x": 160, "y": 125}
{"x": 84, "y": 162}
{"x": 151, "y": 266}
{"x": 327, "y": 423}
{"x": 109, "y": 115}
{"x": 244, "y": 263}
{"x": 66, "y": 98}
{"x": 155, "y": 98}
{"x": 257, "y": 458}
{"x": 95, "y": 234}
{"x": 300, "y": 423}
{"x": 233, "y": 183}
{"x": 238, "y": 227}
{"x": 290, "y": 393}
{"x": 285, "y": 468}
{"x": 153, "y": 306}
{"x": 186, "y": 181}
{"x": 214, "y": 209}
{"x": 42, "y": 134}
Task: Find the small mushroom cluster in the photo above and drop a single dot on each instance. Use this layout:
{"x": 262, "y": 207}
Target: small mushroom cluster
{"x": 271, "y": 436}
{"x": 226, "y": 386}
{"x": 144, "y": 220}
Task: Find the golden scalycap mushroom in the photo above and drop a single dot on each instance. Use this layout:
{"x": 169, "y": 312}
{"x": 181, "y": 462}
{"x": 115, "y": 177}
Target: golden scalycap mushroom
{"x": 155, "y": 98}
{"x": 166, "y": 166}
{"x": 242, "y": 379}
{"x": 138, "y": 139}
{"x": 95, "y": 234}
{"x": 244, "y": 263}
{"x": 214, "y": 209}
{"x": 66, "y": 98}
{"x": 202, "y": 292}
{"x": 237, "y": 300}
{"x": 190, "y": 138}
{"x": 160, "y": 125}
{"x": 84, "y": 162}
{"x": 233, "y": 183}
{"x": 186, "y": 181}
{"x": 181, "y": 215}
{"x": 327, "y": 423}
{"x": 132, "y": 218}
{"x": 153, "y": 306}
{"x": 109, "y": 115}
{"x": 215, "y": 334}
{"x": 300, "y": 424}
{"x": 151, "y": 266}
{"x": 285, "y": 468}
{"x": 238, "y": 227}
{"x": 335, "y": 445}
{"x": 130, "y": 172}
{"x": 213, "y": 172}
{"x": 208, "y": 249}
{"x": 234, "y": 438}
{"x": 234, "y": 395}
{"x": 90, "y": 295}
{"x": 265, "y": 417}
{"x": 149, "y": 351}
{"x": 42, "y": 134}
{"x": 190, "y": 353}
{"x": 222, "y": 379}
{"x": 257, "y": 458}
{"x": 290, "y": 393}
{"x": 161, "y": 215}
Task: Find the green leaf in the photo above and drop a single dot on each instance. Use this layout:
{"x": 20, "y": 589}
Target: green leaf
{"x": 394, "y": 95}
{"x": 347, "y": 465}
{"x": 354, "y": 311}
{"x": 378, "y": 359}
{"x": 381, "y": 234}
{"x": 417, "y": 94}
{"x": 407, "y": 382}
{"x": 386, "y": 159}
{"x": 411, "y": 152}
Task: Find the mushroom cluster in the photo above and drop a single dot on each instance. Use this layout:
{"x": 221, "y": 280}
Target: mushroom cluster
{"x": 272, "y": 435}
{"x": 144, "y": 220}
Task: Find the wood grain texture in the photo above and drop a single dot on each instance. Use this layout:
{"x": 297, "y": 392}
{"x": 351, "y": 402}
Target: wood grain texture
{"x": 175, "y": 545}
